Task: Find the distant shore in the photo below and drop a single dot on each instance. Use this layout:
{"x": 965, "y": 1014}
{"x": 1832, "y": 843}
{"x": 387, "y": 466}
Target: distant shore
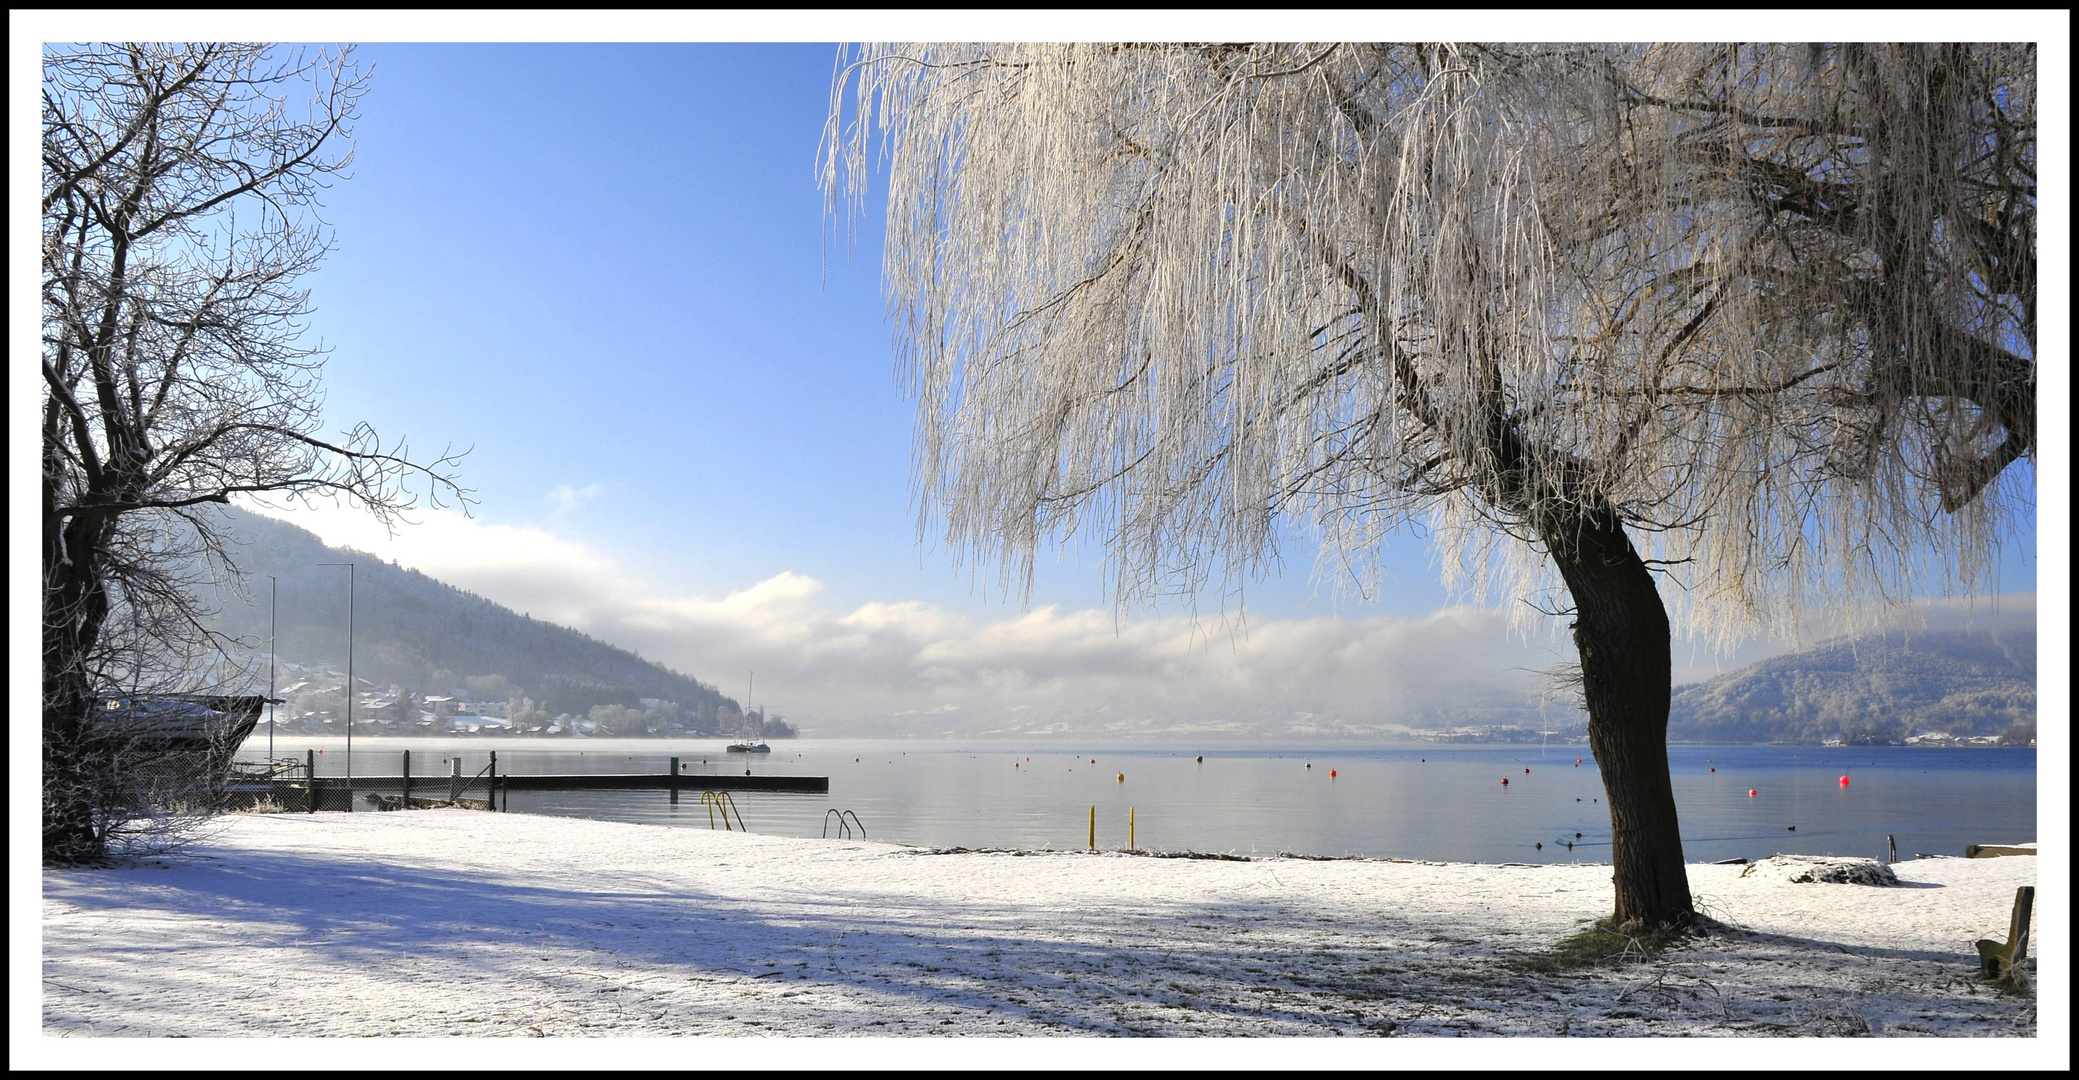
{"x": 259, "y": 737}
{"x": 452, "y": 922}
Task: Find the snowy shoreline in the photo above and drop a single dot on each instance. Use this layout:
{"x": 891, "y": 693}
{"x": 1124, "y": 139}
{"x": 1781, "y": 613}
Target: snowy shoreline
{"x": 442, "y": 923}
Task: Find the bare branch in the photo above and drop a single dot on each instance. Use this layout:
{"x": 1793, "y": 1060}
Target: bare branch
{"x": 180, "y": 213}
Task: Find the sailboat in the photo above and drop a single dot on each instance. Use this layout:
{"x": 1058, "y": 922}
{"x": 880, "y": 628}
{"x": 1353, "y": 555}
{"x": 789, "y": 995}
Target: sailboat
{"x": 749, "y": 744}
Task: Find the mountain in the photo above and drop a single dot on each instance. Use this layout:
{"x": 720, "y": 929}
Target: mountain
{"x": 1880, "y": 688}
{"x": 425, "y": 638}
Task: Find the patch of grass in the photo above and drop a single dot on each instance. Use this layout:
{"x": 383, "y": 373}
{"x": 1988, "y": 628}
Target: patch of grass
{"x": 1603, "y": 945}
{"x": 2016, "y": 984}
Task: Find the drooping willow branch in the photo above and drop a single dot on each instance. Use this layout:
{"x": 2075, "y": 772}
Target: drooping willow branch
{"x": 1772, "y": 305}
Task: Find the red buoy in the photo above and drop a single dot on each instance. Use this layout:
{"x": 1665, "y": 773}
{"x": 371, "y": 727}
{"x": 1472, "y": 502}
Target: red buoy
{"x": 1331, "y": 774}
{"x": 1714, "y": 768}
{"x": 1505, "y": 781}
{"x": 1750, "y": 793}
{"x": 1577, "y": 761}
{"x": 1526, "y": 770}
{"x": 1844, "y": 781}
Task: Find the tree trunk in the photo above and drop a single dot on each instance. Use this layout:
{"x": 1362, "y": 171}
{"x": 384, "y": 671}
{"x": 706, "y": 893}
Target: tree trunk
{"x": 69, "y": 833}
{"x": 74, "y": 606}
{"x": 1621, "y": 630}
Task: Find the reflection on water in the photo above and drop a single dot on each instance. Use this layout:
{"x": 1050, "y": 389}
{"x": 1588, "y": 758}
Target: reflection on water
{"x": 1416, "y": 802}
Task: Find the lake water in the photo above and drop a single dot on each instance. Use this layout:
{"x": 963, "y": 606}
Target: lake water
{"x": 1439, "y": 802}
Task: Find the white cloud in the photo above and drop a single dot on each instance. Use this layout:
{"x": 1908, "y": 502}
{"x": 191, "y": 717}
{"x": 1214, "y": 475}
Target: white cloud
{"x": 901, "y": 666}
{"x": 566, "y": 498}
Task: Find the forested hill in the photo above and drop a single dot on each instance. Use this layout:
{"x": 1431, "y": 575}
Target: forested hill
{"x": 1871, "y": 689}
{"x": 432, "y": 638}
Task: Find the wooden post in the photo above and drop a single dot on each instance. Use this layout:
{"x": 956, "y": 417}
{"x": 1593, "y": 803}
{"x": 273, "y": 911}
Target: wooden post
{"x": 2000, "y": 960}
{"x": 310, "y": 776}
{"x": 1894, "y": 842}
{"x": 407, "y": 780}
{"x": 1131, "y": 844}
{"x": 491, "y": 783}
{"x": 2017, "y": 929}
{"x": 1093, "y": 828}
{"x": 674, "y": 782}
{"x": 455, "y": 778}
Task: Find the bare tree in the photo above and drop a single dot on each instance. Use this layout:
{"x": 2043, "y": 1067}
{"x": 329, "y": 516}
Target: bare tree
{"x": 1756, "y": 319}
{"x": 180, "y": 188}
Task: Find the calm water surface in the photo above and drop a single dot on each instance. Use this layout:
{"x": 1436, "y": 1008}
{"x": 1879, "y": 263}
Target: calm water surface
{"x": 1419, "y": 802}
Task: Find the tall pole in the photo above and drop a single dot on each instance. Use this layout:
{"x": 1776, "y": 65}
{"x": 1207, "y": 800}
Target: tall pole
{"x": 270, "y": 667}
{"x": 349, "y": 685}
{"x": 350, "y": 688}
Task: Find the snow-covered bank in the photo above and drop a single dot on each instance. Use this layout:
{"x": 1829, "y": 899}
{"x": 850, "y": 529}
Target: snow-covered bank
{"x": 461, "y": 923}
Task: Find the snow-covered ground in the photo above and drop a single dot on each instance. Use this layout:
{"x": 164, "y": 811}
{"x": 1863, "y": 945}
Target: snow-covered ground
{"x": 467, "y": 923}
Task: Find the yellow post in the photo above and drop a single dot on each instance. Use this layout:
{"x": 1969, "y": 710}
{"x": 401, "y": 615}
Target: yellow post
{"x": 1130, "y": 845}
{"x": 1093, "y": 828}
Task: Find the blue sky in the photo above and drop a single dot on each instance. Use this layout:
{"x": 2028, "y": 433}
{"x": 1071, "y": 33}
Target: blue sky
{"x": 608, "y": 270}
{"x": 605, "y": 268}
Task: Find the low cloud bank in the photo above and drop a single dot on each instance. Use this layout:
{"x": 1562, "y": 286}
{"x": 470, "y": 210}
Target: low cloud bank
{"x": 914, "y": 668}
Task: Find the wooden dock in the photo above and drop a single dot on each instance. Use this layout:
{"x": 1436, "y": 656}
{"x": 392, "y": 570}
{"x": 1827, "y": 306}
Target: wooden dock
{"x": 661, "y": 781}
{"x": 438, "y": 784}
{"x": 303, "y": 790}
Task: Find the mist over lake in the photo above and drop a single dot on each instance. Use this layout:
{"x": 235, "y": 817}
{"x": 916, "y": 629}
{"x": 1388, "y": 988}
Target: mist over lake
{"x": 1422, "y": 801}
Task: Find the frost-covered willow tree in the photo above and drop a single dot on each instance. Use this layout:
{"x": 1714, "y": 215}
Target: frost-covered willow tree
{"x": 1758, "y": 320}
